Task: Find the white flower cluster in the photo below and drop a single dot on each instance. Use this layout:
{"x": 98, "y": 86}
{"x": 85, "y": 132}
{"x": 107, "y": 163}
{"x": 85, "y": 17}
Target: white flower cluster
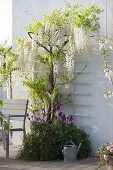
{"x": 105, "y": 46}
{"x": 80, "y": 40}
{"x": 69, "y": 63}
{"x": 108, "y": 74}
{"x": 108, "y": 94}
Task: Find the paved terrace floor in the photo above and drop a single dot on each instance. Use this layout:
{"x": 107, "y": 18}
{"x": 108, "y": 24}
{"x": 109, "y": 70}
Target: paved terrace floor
{"x": 14, "y": 164}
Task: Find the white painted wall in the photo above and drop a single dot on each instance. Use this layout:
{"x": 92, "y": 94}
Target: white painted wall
{"x": 25, "y": 12}
{"x": 5, "y": 27}
{"x": 6, "y": 21}
{"x": 92, "y": 111}
{"x": 90, "y": 106}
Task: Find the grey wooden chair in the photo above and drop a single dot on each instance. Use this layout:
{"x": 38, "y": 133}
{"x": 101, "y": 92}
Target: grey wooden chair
{"x": 16, "y": 110}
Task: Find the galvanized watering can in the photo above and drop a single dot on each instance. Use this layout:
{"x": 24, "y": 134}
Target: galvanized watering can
{"x": 70, "y": 152}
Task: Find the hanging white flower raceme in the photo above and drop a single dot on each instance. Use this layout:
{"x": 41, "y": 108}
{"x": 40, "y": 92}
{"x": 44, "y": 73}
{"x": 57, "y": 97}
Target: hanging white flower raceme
{"x": 105, "y": 44}
{"x": 80, "y": 39}
{"x": 102, "y": 45}
{"x": 77, "y": 47}
{"x": 108, "y": 74}
{"x": 53, "y": 37}
{"x": 69, "y": 63}
{"x": 60, "y": 35}
{"x": 105, "y": 47}
{"x": 24, "y": 59}
{"x": 55, "y": 68}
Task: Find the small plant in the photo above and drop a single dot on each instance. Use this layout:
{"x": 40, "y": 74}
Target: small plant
{"x": 104, "y": 154}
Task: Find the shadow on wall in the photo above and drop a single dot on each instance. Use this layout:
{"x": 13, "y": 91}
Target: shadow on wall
{"x": 95, "y": 134}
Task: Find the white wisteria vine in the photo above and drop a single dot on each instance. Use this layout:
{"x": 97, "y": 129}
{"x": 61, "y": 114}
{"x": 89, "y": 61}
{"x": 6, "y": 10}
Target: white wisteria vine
{"x": 105, "y": 47}
{"x": 48, "y": 53}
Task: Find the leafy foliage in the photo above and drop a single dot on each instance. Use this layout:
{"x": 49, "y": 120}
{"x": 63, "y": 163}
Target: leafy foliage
{"x": 85, "y": 17}
{"x": 35, "y": 27}
{"x": 38, "y": 87}
{"x": 8, "y": 59}
{"x": 46, "y": 141}
{"x": 75, "y": 15}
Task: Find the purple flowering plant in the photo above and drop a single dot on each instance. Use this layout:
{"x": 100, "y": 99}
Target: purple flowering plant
{"x": 40, "y": 116}
{"x": 104, "y": 154}
{"x": 68, "y": 119}
{"x": 36, "y": 116}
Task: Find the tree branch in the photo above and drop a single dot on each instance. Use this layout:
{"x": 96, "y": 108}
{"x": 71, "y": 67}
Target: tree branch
{"x": 68, "y": 4}
{"x": 81, "y": 72}
{"x": 60, "y": 49}
{"x": 41, "y": 45}
{"x": 65, "y": 83}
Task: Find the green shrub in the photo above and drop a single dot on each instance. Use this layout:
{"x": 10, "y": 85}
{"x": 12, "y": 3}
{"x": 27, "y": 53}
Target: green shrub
{"x": 46, "y": 141}
{"x": 69, "y": 132}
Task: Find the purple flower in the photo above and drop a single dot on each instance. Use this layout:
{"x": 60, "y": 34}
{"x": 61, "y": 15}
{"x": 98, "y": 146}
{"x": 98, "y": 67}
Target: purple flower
{"x": 71, "y": 118}
{"x": 67, "y": 117}
{"x": 63, "y": 118}
{"x": 60, "y": 114}
{"x": 37, "y": 118}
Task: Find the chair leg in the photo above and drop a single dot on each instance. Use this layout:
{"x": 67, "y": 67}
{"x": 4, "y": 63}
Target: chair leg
{"x": 3, "y": 140}
{"x": 7, "y": 145}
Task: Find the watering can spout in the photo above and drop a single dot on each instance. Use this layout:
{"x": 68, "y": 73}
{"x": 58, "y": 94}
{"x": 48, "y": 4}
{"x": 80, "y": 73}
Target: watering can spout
{"x": 78, "y": 148}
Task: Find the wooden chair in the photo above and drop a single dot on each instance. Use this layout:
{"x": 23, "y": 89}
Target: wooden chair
{"x": 16, "y": 110}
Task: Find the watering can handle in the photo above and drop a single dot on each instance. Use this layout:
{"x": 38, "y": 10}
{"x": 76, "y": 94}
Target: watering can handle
{"x": 63, "y": 151}
{"x": 71, "y": 143}
{"x": 78, "y": 148}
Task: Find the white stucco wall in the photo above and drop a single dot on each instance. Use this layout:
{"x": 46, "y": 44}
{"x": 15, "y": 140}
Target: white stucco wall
{"x": 92, "y": 111}
{"x": 6, "y": 21}
{"x": 25, "y": 12}
{"x": 5, "y": 28}
{"x": 90, "y": 106}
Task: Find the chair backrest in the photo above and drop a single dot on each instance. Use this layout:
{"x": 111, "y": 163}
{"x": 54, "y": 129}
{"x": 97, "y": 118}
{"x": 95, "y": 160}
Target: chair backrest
{"x": 15, "y": 107}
